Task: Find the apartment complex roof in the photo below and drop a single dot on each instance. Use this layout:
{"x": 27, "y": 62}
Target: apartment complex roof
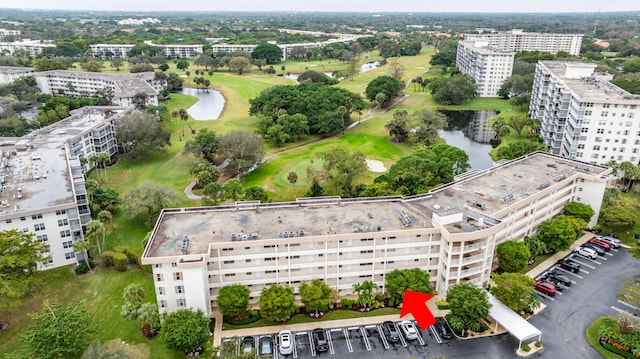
{"x": 125, "y": 85}
{"x": 483, "y": 47}
{"x": 15, "y": 69}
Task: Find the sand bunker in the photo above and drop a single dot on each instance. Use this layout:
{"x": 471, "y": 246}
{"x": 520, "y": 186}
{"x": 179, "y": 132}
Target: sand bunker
{"x": 375, "y": 166}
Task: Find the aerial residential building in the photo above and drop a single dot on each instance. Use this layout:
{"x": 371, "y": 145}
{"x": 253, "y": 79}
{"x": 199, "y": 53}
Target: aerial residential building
{"x": 8, "y": 74}
{"x": 178, "y": 51}
{"x": 450, "y": 232}
{"x": 232, "y": 48}
{"x": 518, "y": 40}
{"x": 84, "y": 84}
{"x": 487, "y": 65}
{"x": 4, "y": 33}
{"x": 32, "y": 48}
{"x": 118, "y": 51}
{"x": 42, "y": 187}
{"x": 130, "y": 21}
{"x": 583, "y": 116}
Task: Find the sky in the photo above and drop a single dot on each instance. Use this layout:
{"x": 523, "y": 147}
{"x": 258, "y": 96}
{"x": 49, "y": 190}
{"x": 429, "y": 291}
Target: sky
{"x": 552, "y": 6}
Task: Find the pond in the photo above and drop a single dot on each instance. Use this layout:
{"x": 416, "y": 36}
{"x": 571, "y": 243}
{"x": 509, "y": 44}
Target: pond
{"x": 470, "y": 131}
{"x": 363, "y": 68}
{"x": 209, "y": 106}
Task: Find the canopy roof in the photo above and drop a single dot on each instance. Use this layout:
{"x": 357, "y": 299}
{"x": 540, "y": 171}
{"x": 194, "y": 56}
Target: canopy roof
{"x": 511, "y": 321}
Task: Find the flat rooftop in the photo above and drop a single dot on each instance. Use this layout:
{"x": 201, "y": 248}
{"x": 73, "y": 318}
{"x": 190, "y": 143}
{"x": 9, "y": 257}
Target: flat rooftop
{"x": 15, "y": 69}
{"x": 34, "y": 169}
{"x": 486, "y": 192}
{"x": 125, "y": 85}
{"x": 482, "y": 47}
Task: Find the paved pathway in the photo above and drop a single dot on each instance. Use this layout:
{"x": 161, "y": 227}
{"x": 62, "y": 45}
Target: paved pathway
{"x": 559, "y": 255}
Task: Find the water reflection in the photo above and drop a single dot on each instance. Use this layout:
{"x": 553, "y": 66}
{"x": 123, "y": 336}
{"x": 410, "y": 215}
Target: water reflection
{"x": 470, "y": 131}
{"x": 209, "y": 106}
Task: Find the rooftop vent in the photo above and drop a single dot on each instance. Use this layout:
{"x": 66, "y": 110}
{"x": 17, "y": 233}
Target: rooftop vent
{"x": 185, "y": 245}
{"x": 507, "y": 198}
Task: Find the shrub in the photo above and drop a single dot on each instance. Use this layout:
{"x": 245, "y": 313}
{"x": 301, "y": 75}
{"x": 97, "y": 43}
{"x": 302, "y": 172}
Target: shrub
{"x": 82, "y": 267}
{"x": 442, "y": 304}
{"x": 135, "y": 256}
{"x": 623, "y": 353}
{"x": 107, "y": 259}
{"x": 538, "y": 344}
{"x": 253, "y": 316}
{"x": 525, "y": 347}
{"x": 120, "y": 249}
{"x": 120, "y": 261}
{"x": 347, "y": 303}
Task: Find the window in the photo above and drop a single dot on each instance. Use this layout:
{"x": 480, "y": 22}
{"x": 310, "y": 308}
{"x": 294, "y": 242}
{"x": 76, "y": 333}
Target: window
{"x": 178, "y": 289}
{"x": 161, "y": 290}
{"x": 158, "y": 277}
{"x": 63, "y": 222}
{"x": 8, "y": 221}
{"x": 163, "y": 303}
{"x": 181, "y": 302}
{"x": 596, "y": 147}
{"x": 177, "y": 276}
{"x": 25, "y": 230}
{"x": 38, "y": 227}
{"x": 588, "y": 113}
{"x": 61, "y": 212}
{"x": 229, "y": 262}
{"x": 600, "y": 130}
{"x": 65, "y": 234}
{"x": 584, "y": 130}
{"x": 36, "y": 216}
{"x": 581, "y": 146}
{"x": 42, "y": 238}
{"x": 22, "y": 218}
{"x": 230, "y": 275}
{"x": 68, "y": 244}
{"x": 366, "y": 251}
{"x": 157, "y": 265}
{"x": 69, "y": 255}
{"x": 47, "y": 248}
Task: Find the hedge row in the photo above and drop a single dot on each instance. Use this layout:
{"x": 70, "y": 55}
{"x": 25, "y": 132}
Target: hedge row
{"x": 126, "y": 255}
{"x": 623, "y": 353}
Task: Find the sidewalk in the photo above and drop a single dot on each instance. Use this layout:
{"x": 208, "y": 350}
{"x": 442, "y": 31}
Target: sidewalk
{"x": 540, "y": 268}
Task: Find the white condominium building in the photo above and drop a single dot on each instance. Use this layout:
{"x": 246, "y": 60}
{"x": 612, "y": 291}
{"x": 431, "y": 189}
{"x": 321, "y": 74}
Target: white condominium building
{"x": 583, "y": 116}
{"x": 32, "y": 48}
{"x": 118, "y": 51}
{"x": 8, "y": 74}
{"x": 42, "y": 187}
{"x": 450, "y": 232}
{"x": 4, "y": 33}
{"x": 517, "y": 40}
{"x": 488, "y": 65}
{"x": 178, "y": 51}
{"x": 84, "y": 84}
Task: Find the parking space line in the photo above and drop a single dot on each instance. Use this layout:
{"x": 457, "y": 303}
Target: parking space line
{"x": 331, "y": 350}
{"x": 570, "y": 272}
{"x": 311, "y": 344}
{"x": 365, "y": 337}
{"x": 346, "y": 336}
{"x": 435, "y": 334}
{"x": 620, "y": 310}
{"x": 585, "y": 264}
{"x": 383, "y": 337}
{"x": 420, "y": 338}
{"x": 295, "y": 344}
{"x": 628, "y": 305}
{"x": 609, "y": 254}
{"x": 545, "y": 296}
{"x": 402, "y": 341}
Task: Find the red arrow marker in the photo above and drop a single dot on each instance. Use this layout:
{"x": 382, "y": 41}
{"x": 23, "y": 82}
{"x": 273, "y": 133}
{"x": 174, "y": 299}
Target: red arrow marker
{"x": 416, "y": 304}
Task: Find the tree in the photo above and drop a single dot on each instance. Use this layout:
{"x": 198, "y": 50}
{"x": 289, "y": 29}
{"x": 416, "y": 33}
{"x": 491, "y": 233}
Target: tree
{"x": 386, "y": 85}
{"x": 233, "y": 300}
{"x": 315, "y": 190}
{"x": 95, "y": 227}
{"x": 80, "y": 245}
{"x": 149, "y": 198}
{"x": 292, "y": 177}
{"x": 453, "y": 90}
{"x": 277, "y": 303}
{"x": 315, "y": 295}
{"x": 182, "y": 65}
{"x": 340, "y": 168}
{"x": 512, "y": 255}
{"x": 132, "y": 296}
{"x": 516, "y": 85}
{"x": 185, "y": 329}
{"x": 271, "y": 53}
{"x": 105, "y": 198}
{"x": 213, "y": 194}
{"x": 518, "y": 123}
{"x": 536, "y": 245}
{"x": 315, "y": 76}
{"x": 425, "y": 124}
{"x": 446, "y": 56}
{"x": 518, "y": 149}
{"x": 233, "y": 189}
{"x": 59, "y": 332}
{"x": 399, "y": 280}
{"x": 20, "y": 254}
{"x": 239, "y": 64}
{"x": 243, "y": 148}
{"x": 256, "y": 193}
{"x": 204, "y": 144}
{"x": 364, "y": 291}
{"x": 579, "y": 210}
{"x": 396, "y": 70}
{"x": 148, "y": 317}
{"x": 92, "y": 66}
{"x": 116, "y": 64}
{"x": 468, "y": 303}
{"x": 515, "y": 290}
{"x": 499, "y": 125}
{"x": 557, "y": 234}
{"x": 204, "y": 172}
{"x": 141, "y": 134}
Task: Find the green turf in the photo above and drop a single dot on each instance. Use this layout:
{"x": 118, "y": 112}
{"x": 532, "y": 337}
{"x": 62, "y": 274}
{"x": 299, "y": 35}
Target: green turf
{"x": 591, "y": 334}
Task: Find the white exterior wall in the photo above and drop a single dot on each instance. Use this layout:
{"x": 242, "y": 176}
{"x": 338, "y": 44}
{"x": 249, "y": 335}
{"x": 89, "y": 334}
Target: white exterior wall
{"x": 119, "y": 51}
{"x": 487, "y": 67}
{"x": 522, "y": 41}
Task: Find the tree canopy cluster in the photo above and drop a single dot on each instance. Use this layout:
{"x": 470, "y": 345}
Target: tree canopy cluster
{"x": 383, "y": 90}
{"x": 141, "y": 134}
{"x": 326, "y": 108}
{"x": 468, "y": 303}
{"x": 399, "y": 280}
{"x": 453, "y": 90}
{"x": 559, "y": 232}
{"x": 512, "y": 255}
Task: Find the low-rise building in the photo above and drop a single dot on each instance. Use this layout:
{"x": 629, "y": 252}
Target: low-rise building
{"x": 32, "y": 48}
{"x": 487, "y": 65}
{"x": 450, "y": 232}
{"x": 582, "y": 115}
{"x": 8, "y": 74}
{"x": 118, "y": 51}
{"x": 518, "y": 40}
{"x": 4, "y": 33}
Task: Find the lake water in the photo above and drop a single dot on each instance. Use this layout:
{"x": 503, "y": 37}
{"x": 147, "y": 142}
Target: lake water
{"x": 470, "y": 131}
{"x": 363, "y": 68}
{"x": 209, "y": 106}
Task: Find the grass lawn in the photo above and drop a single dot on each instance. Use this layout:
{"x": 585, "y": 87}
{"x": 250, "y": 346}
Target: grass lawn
{"x": 591, "y": 334}
{"x": 539, "y": 260}
{"x": 332, "y": 315}
{"x": 101, "y": 294}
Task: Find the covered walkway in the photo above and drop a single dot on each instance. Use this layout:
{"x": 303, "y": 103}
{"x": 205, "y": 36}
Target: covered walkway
{"x": 512, "y": 321}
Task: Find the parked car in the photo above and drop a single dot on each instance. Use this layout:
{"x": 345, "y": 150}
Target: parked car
{"x": 559, "y": 286}
{"x": 614, "y": 242}
{"x": 265, "y": 346}
{"x": 546, "y": 288}
{"x": 248, "y": 344}
{"x": 320, "y": 340}
{"x": 409, "y": 329}
{"x": 599, "y": 250}
{"x": 600, "y": 243}
{"x": 285, "y": 341}
{"x": 586, "y": 252}
{"x": 390, "y": 332}
{"x": 566, "y": 281}
{"x": 442, "y": 327}
{"x": 569, "y": 265}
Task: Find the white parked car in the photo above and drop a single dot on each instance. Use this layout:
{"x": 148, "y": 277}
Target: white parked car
{"x": 409, "y": 329}
{"x": 285, "y": 342}
{"x": 586, "y": 252}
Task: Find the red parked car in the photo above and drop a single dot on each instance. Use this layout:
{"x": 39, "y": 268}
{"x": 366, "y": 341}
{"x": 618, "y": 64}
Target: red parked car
{"x": 546, "y": 288}
{"x": 600, "y": 243}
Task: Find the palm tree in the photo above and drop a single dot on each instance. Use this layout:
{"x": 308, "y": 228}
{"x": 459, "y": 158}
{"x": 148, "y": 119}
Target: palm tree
{"x": 184, "y": 116}
{"x": 631, "y": 174}
{"x": 81, "y": 246}
{"x": 535, "y": 245}
{"x": 614, "y": 166}
{"x": 292, "y": 177}
{"x": 93, "y": 228}
{"x": 364, "y": 291}
{"x": 148, "y": 314}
